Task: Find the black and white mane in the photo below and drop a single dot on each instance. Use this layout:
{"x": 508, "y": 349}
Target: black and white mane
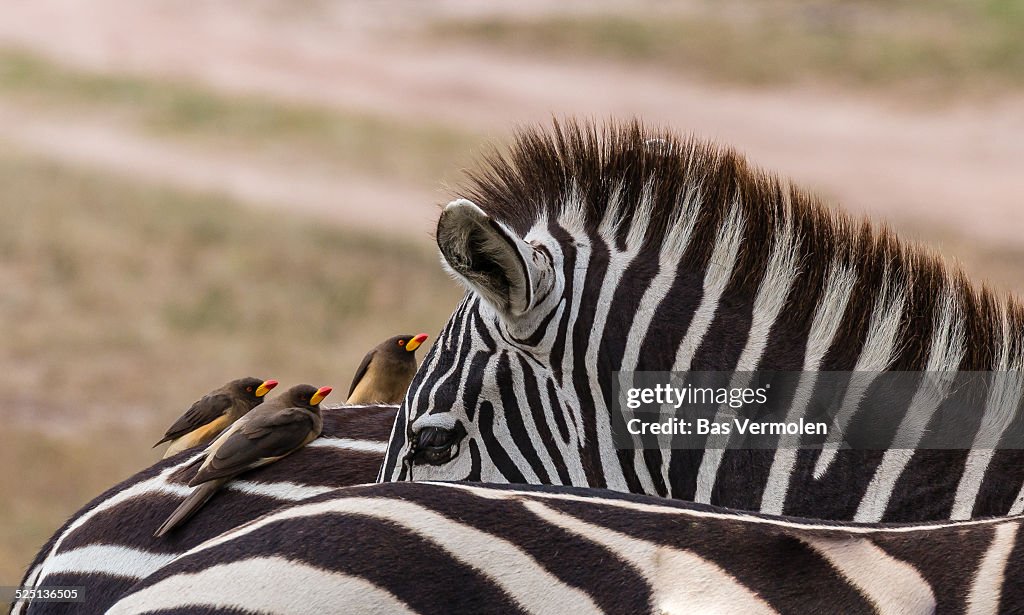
{"x": 588, "y": 250}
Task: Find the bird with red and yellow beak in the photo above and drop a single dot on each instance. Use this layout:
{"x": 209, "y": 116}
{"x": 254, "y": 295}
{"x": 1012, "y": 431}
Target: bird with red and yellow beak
{"x": 276, "y": 429}
{"x": 212, "y": 414}
{"x": 386, "y": 371}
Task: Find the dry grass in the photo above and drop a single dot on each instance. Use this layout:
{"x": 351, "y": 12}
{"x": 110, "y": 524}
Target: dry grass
{"x": 286, "y": 133}
{"x": 123, "y": 302}
{"x": 943, "y": 48}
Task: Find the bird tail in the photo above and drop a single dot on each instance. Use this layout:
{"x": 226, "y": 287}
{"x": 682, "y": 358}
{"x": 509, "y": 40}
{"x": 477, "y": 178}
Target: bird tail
{"x": 189, "y": 506}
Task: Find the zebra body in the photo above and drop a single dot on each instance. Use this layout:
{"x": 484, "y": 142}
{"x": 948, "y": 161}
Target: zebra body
{"x": 109, "y": 545}
{"x": 470, "y": 548}
{"x": 588, "y": 251}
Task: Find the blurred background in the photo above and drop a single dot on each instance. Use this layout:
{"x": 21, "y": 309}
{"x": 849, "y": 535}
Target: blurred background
{"x": 192, "y": 192}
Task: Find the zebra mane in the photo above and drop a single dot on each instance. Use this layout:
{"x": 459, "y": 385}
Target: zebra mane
{"x": 631, "y": 184}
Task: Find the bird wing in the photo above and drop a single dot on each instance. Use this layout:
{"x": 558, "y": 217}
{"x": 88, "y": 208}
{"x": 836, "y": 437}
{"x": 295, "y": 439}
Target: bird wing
{"x": 361, "y": 371}
{"x": 204, "y": 411}
{"x": 260, "y": 440}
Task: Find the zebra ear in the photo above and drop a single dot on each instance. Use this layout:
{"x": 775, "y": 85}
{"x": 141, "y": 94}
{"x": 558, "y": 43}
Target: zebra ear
{"x": 491, "y": 259}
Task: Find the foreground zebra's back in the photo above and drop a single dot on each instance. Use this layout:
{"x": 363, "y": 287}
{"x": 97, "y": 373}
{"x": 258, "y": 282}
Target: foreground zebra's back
{"x": 108, "y": 545}
{"x": 470, "y": 548}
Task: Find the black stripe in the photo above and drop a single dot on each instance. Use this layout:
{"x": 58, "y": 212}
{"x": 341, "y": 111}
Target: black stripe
{"x": 447, "y": 373}
{"x": 416, "y": 570}
{"x": 1012, "y": 600}
{"x": 560, "y": 412}
{"x": 536, "y": 406}
{"x": 513, "y": 415}
{"x": 590, "y": 452}
{"x": 569, "y": 256}
{"x": 612, "y": 583}
{"x": 946, "y": 558}
{"x": 758, "y": 557}
{"x": 837, "y": 495}
{"x": 495, "y": 451}
{"x": 1003, "y": 481}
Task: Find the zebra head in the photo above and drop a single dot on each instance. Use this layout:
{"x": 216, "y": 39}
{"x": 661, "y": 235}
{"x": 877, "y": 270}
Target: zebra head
{"x": 572, "y": 253}
{"x": 587, "y": 251}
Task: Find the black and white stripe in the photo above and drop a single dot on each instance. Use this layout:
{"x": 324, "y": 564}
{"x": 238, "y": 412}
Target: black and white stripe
{"x": 586, "y": 251}
{"x": 466, "y": 548}
{"x": 108, "y": 545}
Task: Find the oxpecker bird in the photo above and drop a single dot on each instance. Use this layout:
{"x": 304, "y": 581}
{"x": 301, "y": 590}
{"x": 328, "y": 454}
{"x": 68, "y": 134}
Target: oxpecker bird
{"x": 212, "y": 414}
{"x": 279, "y": 427}
{"x": 386, "y": 371}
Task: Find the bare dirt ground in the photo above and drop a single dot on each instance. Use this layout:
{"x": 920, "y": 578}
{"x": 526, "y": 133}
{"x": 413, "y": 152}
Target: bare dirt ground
{"x": 351, "y": 199}
{"x": 952, "y": 168}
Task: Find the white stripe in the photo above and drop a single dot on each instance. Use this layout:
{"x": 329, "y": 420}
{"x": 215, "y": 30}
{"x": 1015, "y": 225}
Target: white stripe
{"x": 503, "y": 433}
{"x": 771, "y": 298}
{"x": 987, "y": 588}
{"x": 825, "y": 527}
{"x": 681, "y": 581}
{"x": 112, "y": 560}
{"x": 286, "y": 491}
{"x": 526, "y": 415}
{"x": 944, "y": 357}
{"x": 349, "y": 444}
{"x": 569, "y": 449}
{"x": 893, "y": 586}
{"x": 672, "y": 249}
{"x": 1018, "y": 504}
{"x": 618, "y": 262}
{"x": 245, "y": 586}
{"x": 581, "y": 241}
{"x": 1006, "y": 391}
{"x": 716, "y": 278}
{"x": 827, "y": 318}
{"x": 412, "y": 396}
{"x": 876, "y": 356}
{"x": 532, "y": 586}
{"x": 156, "y": 484}
{"x": 448, "y": 338}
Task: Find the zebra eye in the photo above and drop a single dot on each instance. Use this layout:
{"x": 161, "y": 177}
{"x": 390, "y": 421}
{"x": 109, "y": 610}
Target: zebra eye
{"x": 436, "y": 445}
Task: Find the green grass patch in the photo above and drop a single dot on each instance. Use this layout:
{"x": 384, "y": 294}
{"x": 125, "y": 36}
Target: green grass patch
{"x": 931, "y": 47}
{"x": 288, "y": 132}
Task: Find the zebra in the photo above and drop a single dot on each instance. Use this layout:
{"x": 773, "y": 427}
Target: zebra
{"x": 589, "y": 249}
{"x": 108, "y": 545}
{"x": 473, "y": 548}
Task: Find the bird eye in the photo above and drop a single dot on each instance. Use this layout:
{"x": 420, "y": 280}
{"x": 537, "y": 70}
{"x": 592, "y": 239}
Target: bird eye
{"x": 248, "y": 389}
{"x": 401, "y": 342}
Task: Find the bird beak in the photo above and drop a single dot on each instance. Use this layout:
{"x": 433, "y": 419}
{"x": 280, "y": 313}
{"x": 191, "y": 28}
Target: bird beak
{"x": 319, "y": 396}
{"x": 415, "y": 342}
{"x": 264, "y": 388}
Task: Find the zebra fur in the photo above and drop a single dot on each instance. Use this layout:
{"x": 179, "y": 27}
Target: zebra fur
{"x": 586, "y": 250}
{"x": 108, "y": 545}
{"x": 471, "y": 548}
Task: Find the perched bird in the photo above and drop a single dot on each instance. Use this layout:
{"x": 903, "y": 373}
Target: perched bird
{"x": 281, "y": 426}
{"x": 386, "y": 371}
{"x": 218, "y": 409}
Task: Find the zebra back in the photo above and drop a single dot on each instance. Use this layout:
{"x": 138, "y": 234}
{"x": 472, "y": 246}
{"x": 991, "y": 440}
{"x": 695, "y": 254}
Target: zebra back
{"x": 470, "y": 548}
{"x": 108, "y": 545}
